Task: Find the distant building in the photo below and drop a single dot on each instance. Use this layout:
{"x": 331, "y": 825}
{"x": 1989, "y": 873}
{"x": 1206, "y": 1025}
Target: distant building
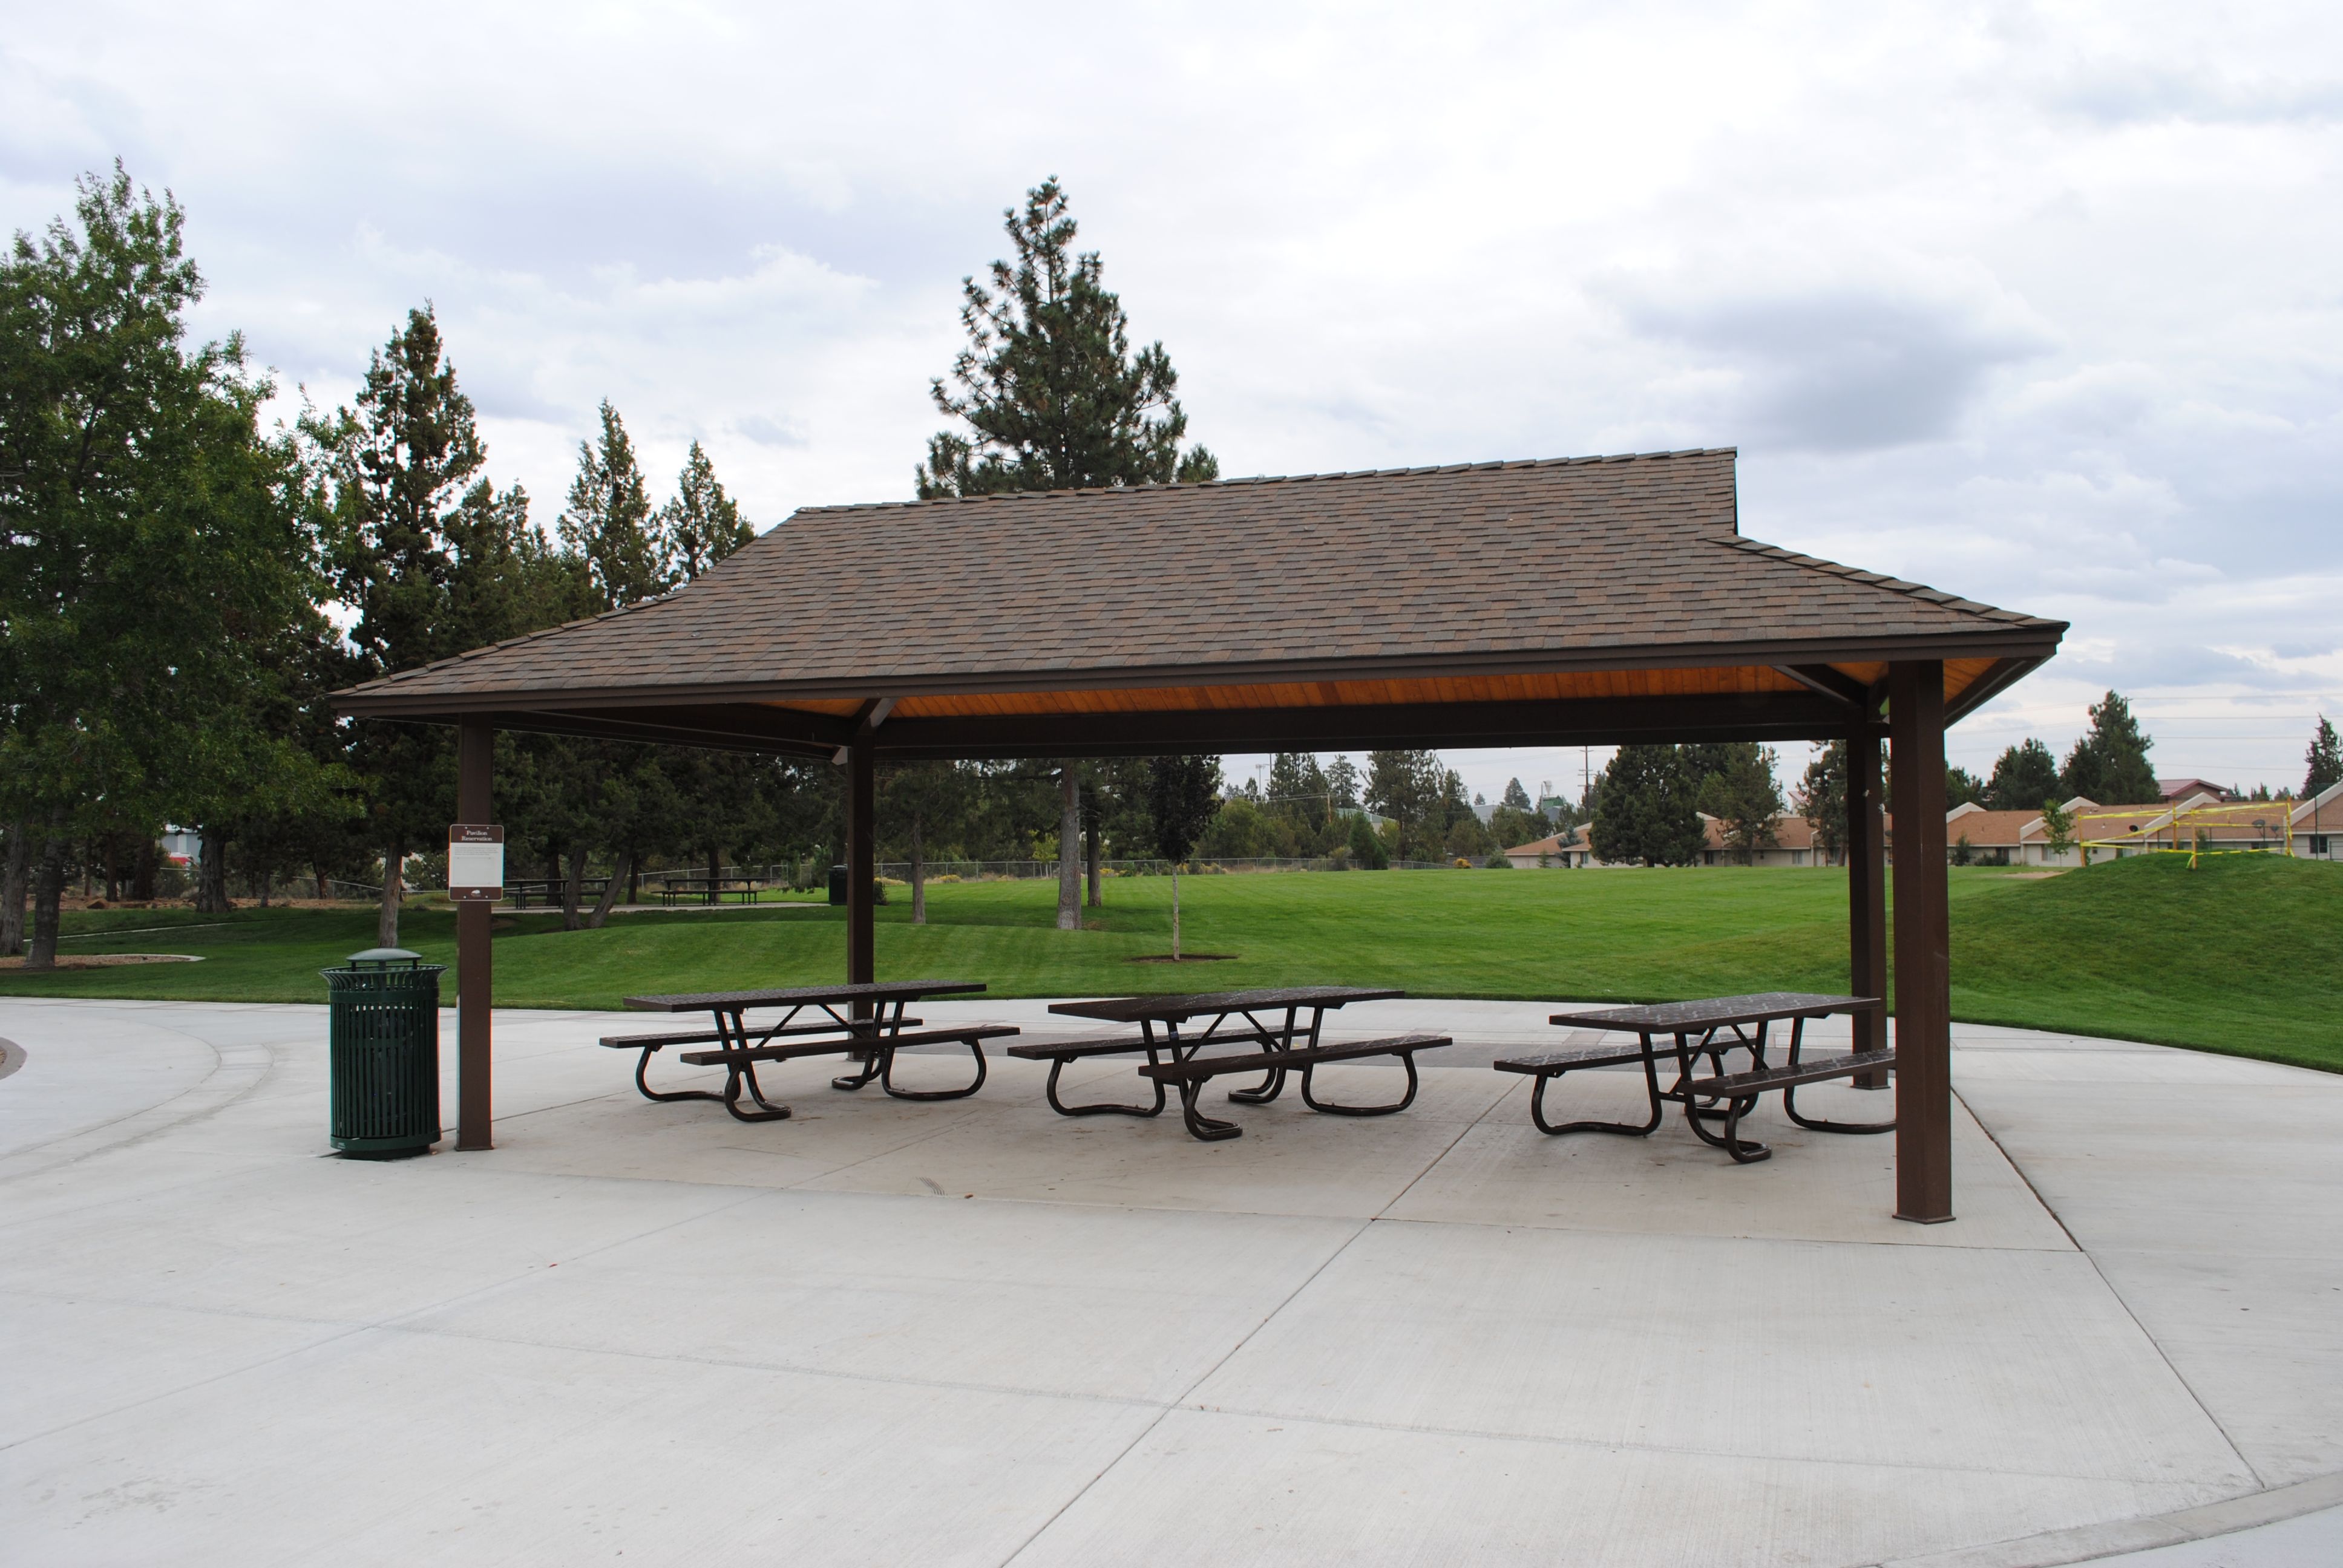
{"x": 2177, "y": 788}
{"x": 1975, "y": 836}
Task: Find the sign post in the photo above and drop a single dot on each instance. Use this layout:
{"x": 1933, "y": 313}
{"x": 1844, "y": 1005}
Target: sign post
{"x": 476, "y": 877}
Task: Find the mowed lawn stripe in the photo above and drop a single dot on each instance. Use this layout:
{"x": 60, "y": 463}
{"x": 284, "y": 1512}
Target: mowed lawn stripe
{"x": 2240, "y": 954}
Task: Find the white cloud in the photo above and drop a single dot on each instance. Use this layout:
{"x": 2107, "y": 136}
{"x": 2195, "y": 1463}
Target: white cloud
{"x": 2033, "y": 302}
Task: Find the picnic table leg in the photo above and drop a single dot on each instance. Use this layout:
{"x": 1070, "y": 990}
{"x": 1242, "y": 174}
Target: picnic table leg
{"x": 1790, "y": 1099}
{"x": 1198, "y": 1124}
{"x": 1274, "y": 1085}
{"x": 1624, "y": 1129}
{"x": 1407, "y": 1060}
{"x": 642, "y": 1065}
{"x": 734, "y": 1036}
{"x": 1147, "y": 1034}
{"x": 875, "y": 1061}
{"x": 887, "y": 1077}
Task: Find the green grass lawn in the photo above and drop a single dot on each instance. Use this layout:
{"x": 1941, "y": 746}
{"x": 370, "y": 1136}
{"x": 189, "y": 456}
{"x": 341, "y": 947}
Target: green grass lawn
{"x": 2240, "y": 955}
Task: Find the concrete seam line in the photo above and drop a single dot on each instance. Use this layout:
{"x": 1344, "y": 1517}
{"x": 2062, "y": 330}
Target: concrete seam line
{"x": 1183, "y": 1399}
{"x": 12, "y": 1057}
{"x": 2085, "y": 1542}
{"x": 2162, "y": 1355}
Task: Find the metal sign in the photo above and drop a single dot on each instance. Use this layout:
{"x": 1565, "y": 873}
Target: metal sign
{"x": 476, "y": 863}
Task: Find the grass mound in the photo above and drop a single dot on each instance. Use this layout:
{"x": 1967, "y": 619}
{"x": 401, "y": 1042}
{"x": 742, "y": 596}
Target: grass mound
{"x": 2242, "y": 954}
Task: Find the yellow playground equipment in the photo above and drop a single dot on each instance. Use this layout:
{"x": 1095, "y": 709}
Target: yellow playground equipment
{"x": 2226, "y": 827}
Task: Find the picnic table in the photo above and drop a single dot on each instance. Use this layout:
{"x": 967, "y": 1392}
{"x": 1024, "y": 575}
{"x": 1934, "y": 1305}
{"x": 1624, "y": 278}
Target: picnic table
{"x": 864, "y": 1023}
{"x": 1709, "y": 1028}
{"x": 1283, "y": 1025}
{"x": 549, "y": 888}
{"x": 707, "y": 890}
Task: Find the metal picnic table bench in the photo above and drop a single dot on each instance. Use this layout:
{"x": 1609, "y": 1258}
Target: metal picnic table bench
{"x": 1285, "y": 1043}
{"x": 871, "y": 1041}
{"x": 1695, "y": 1029}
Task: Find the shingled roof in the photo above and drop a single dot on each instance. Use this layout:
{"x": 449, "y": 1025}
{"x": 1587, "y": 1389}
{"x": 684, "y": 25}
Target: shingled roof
{"x": 1350, "y": 589}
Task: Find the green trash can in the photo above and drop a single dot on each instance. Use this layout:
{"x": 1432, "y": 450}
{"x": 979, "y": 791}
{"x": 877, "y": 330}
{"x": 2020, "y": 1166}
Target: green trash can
{"x": 383, "y": 1053}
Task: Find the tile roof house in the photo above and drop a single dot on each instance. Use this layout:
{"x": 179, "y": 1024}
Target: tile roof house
{"x": 2314, "y": 829}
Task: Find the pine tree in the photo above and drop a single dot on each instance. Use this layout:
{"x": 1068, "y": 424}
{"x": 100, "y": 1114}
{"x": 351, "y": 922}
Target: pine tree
{"x": 1048, "y": 388}
{"x": 1822, "y": 799}
{"x": 2024, "y": 775}
{"x": 2109, "y": 765}
{"x": 1516, "y": 795}
{"x": 2324, "y": 759}
{"x": 401, "y": 465}
{"x": 1961, "y": 787}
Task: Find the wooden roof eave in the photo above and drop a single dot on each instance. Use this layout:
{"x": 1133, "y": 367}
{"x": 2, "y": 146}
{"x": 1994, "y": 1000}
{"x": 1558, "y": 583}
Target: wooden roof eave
{"x": 406, "y": 697}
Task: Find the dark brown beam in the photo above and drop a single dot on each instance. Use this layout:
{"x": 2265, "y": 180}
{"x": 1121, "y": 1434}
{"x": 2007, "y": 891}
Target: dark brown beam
{"x": 1829, "y": 682}
{"x": 1590, "y": 721}
{"x": 818, "y": 735}
{"x": 476, "y": 749}
{"x": 1998, "y": 678}
{"x": 1866, "y": 897}
{"x": 1924, "y": 997}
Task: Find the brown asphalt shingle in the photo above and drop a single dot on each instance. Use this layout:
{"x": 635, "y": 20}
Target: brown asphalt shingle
{"x": 1569, "y": 558}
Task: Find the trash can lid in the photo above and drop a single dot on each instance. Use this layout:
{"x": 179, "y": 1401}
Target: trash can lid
{"x": 384, "y": 958}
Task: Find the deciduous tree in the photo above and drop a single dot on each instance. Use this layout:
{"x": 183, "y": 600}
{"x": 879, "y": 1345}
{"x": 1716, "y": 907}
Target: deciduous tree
{"x": 2024, "y": 777}
{"x": 1183, "y": 794}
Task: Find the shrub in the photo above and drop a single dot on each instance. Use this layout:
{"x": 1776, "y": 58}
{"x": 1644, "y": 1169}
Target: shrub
{"x": 1499, "y": 863}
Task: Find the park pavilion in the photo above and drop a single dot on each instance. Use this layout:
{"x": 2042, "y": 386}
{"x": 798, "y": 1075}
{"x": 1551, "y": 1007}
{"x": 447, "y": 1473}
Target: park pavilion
{"x": 1335, "y": 611}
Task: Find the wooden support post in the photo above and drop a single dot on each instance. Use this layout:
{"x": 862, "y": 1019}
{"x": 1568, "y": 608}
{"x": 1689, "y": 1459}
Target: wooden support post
{"x": 1923, "y": 994}
{"x": 475, "y": 746}
{"x": 861, "y": 865}
{"x": 1866, "y": 899}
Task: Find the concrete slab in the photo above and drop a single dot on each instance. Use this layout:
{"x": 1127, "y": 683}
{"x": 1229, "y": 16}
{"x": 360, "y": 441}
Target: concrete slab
{"x": 1104, "y": 1302}
{"x": 1289, "y": 1161}
{"x": 651, "y": 1329}
{"x": 2209, "y": 1208}
{"x": 1935, "y": 1357}
{"x": 1819, "y": 1186}
{"x": 1209, "y": 1489}
{"x": 386, "y": 1446}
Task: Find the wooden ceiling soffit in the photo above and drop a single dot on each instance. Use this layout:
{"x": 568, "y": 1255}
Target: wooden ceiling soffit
{"x": 1319, "y": 694}
{"x": 1794, "y": 715}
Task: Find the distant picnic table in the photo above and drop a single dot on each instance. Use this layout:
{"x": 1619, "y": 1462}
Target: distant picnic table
{"x": 1282, "y": 1026}
{"x": 550, "y": 889}
{"x": 702, "y": 890}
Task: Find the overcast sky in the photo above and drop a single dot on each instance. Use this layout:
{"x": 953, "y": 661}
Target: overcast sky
{"x": 2040, "y": 305}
